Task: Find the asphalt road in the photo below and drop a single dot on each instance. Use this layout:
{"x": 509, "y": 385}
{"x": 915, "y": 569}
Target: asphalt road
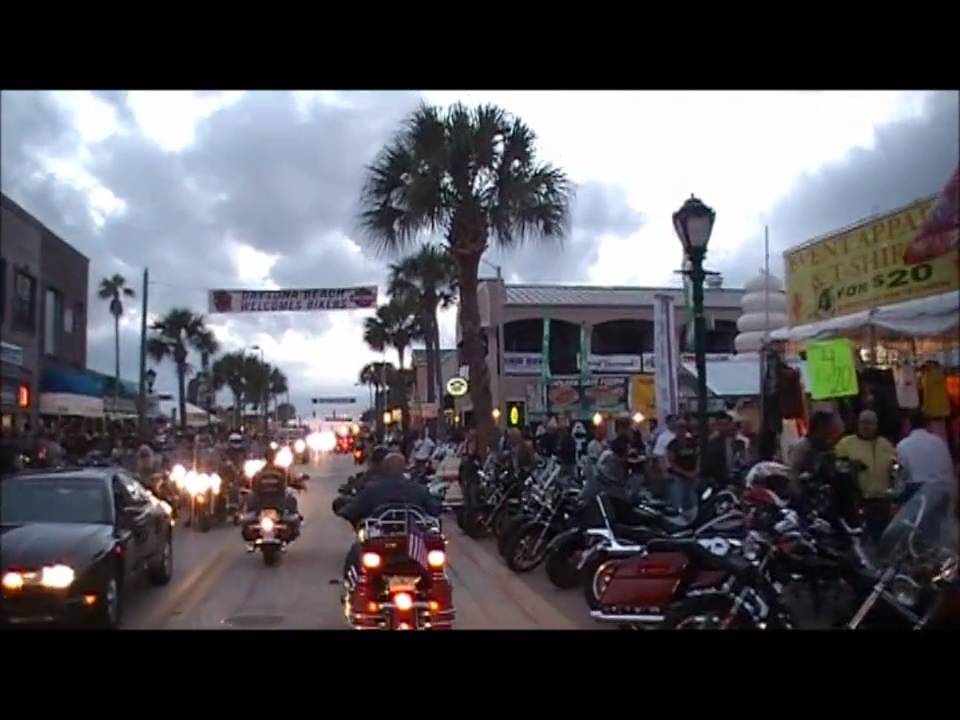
{"x": 217, "y": 585}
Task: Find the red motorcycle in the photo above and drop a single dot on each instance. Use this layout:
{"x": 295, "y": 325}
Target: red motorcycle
{"x": 637, "y": 591}
{"x": 401, "y": 581}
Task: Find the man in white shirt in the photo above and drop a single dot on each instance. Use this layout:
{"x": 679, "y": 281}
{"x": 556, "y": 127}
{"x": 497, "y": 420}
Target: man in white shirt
{"x": 924, "y": 456}
{"x": 424, "y": 448}
{"x": 665, "y": 437}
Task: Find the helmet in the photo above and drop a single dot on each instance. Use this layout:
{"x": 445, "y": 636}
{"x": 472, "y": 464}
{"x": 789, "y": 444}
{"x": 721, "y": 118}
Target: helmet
{"x": 235, "y": 440}
{"x": 769, "y": 474}
{"x": 378, "y": 454}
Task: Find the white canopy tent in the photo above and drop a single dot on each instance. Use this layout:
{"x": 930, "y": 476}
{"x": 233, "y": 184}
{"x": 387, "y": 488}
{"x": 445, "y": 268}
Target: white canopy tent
{"x": 196, "y": 416}
{"x": 929, "y": 317}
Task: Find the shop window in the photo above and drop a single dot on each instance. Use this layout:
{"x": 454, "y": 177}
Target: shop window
{"x": 25, "y": 301}
{"x": 622, "y": 337}
{"x": 523, "y": 336}
{"x": 52, "y": 321}
{"x": 68, "y": 320}
{"x": 564, "y": 347}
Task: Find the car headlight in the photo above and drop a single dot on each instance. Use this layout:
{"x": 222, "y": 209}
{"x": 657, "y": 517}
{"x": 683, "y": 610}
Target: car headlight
{"x": 57, "y": 576}
{"x": 12, "y": 581}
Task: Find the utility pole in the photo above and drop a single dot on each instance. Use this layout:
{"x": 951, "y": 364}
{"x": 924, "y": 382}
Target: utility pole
{"x": 143, "y": 356}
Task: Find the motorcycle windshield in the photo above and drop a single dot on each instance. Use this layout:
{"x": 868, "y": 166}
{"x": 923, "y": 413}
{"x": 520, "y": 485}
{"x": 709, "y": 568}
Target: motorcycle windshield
{"x": 926, "y": 523}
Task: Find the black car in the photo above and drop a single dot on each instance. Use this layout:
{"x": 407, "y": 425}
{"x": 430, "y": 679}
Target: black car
{"x": 74, "y": 540}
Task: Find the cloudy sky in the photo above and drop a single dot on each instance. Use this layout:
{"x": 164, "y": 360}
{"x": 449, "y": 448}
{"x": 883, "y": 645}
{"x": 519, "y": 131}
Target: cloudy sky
{"x": 259, "y": 190}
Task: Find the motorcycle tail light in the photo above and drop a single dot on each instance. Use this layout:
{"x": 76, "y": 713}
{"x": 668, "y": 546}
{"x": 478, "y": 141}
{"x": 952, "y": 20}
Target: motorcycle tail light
{"x": 370, "y": 560}
{"x": 403, "y": 601}
{"x": 436, "y": 559}
{"x": 403, "y": 626}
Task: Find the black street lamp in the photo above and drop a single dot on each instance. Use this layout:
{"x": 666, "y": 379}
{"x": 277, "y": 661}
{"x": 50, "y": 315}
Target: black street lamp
{"x": 694, "y": 223}
{"x": 151, "y": 376}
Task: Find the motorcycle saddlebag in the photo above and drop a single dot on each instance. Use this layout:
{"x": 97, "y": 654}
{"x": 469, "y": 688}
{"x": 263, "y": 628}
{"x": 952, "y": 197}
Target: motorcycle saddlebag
{"x": 647, "y": 582}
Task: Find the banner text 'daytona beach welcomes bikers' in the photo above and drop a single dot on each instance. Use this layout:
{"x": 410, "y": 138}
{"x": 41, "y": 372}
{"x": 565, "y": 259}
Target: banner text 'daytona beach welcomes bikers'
{"x": 243, "y": 301}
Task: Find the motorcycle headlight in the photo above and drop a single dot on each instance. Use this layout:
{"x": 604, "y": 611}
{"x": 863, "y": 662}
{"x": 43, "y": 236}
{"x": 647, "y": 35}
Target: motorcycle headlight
{"x": 266, "y": 524}
{"x": 57, "y": 576}
{"x": 299, "y": 446}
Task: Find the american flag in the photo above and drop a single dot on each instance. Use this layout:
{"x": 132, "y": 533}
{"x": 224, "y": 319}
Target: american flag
{"x": 417, "y": 547}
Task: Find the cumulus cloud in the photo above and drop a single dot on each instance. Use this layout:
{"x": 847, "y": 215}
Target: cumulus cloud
{"x": 910, "y": 158}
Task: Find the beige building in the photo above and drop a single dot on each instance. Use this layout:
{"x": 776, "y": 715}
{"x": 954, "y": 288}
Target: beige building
{"x": 619, "y": 324}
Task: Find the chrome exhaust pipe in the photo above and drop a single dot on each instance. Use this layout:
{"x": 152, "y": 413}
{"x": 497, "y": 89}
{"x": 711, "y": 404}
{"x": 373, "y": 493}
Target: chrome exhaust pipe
{"x": 601, "y": 616}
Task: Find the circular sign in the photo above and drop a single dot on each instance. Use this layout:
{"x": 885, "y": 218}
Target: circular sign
{"x": 457, "y": 386}
{"x": 514, "y": 417}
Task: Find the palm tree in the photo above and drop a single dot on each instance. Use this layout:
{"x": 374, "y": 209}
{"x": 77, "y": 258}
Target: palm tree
{"x": 472, "y": 176}
{"x": 174, "y": 335}
{"x": 228, "y": 371}
{"x": 256, "y": 375}
{"x": 114, "y": 289}
{"x": 429, "y": 278}
{"x": 278, "y": 385}
{"x": 395, "y": 324}
{"x": 208, "y": 346}
{"x": 379, "y": 375}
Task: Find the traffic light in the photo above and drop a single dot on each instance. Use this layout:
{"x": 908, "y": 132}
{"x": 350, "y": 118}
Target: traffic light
{"x": 516, "y": 413}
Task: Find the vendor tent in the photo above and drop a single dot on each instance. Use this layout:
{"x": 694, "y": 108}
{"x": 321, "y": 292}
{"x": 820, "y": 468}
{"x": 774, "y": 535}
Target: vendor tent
{"x": 196, "y": 416}
{"x": 932, "y": 316}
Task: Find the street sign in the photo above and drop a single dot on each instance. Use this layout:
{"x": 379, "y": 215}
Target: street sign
{"x": 334, "y": 401}
{"x": 457, "y": 386}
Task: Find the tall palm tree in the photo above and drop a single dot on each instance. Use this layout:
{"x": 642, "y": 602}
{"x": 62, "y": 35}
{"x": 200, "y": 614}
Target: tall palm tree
{"x": 228, "y": 370}
{"x": 115, "y": 289}
{"x": 278, "y": 385}
{"x": 429, "y": 277}
{"x": 472, "y": 176}
{"x": 396, "y": 324}
{"x": 256, "y": 375}
{"x": 208, "y": 346}
{"x": 174, "y": 335}
{"x": 379, "y": 376}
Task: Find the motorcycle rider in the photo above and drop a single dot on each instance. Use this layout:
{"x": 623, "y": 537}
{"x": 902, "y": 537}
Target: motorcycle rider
{"x": 522, "y": 456}
{"x": 392, "y": 487}
{"x": 252, "y": 504}
{"x": 358, "y": 482}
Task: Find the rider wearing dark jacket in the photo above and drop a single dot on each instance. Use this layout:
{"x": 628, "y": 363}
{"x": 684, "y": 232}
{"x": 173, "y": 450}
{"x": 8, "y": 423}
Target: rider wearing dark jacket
{"x": 391, "y": 488}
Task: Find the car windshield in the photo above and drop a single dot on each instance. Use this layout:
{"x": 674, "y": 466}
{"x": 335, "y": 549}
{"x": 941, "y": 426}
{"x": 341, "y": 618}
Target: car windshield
{"x": 54, "y": 500}
{"x": 924, "y": 524}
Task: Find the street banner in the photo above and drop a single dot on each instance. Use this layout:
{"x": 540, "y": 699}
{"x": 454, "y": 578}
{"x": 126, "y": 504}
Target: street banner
{"x": 584, "y": 358}
{"x": 665, "y": 357}
{"x": 545, "y": 368}
{"x": 245, "y": 301}
{"x": 864, "y": 266}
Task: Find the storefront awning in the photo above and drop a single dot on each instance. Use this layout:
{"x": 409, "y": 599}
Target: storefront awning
{"x": 70, "y": 404}
{"x": 933, "y": 316}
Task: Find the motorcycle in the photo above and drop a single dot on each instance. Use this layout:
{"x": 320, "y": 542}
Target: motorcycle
{"x": 401, "y": 582}
{"x": 526, "y": 547}
{"x": 627, "y": 530}
{"x": 203, "y": 491}
{"x": 272, "y": 526}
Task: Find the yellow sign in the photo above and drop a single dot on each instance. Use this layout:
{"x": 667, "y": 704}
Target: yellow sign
{"x": 831, "y": 369}
{"x": 643, "y": 396}
{"x": 864, "y": 267}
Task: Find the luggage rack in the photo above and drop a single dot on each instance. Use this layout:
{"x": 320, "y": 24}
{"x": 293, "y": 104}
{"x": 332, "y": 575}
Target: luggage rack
{"x": 398, "y": 521}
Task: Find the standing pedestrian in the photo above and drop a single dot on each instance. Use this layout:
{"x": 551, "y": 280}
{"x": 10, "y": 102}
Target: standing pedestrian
{"x": 682, "y": 464}
{"x": 874, "y": 455}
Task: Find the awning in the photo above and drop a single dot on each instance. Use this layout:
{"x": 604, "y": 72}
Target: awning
{"x": 736, "y": 378}
{"x": 52, "y": 403}
{"x": 196, "y": 416}
{"x": 933, "y": 316}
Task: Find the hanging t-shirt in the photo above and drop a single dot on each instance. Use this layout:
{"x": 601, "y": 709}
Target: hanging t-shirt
{"x": 934, "y": 386}
{"x": 905, "y": 377}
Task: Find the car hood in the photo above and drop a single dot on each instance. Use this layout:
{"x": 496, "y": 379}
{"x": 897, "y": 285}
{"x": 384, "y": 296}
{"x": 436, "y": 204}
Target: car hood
{"x": 33, "y": 545}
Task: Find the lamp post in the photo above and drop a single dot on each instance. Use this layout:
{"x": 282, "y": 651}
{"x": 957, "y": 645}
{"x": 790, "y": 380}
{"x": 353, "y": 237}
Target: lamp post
{"x": 693, "y": 223}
